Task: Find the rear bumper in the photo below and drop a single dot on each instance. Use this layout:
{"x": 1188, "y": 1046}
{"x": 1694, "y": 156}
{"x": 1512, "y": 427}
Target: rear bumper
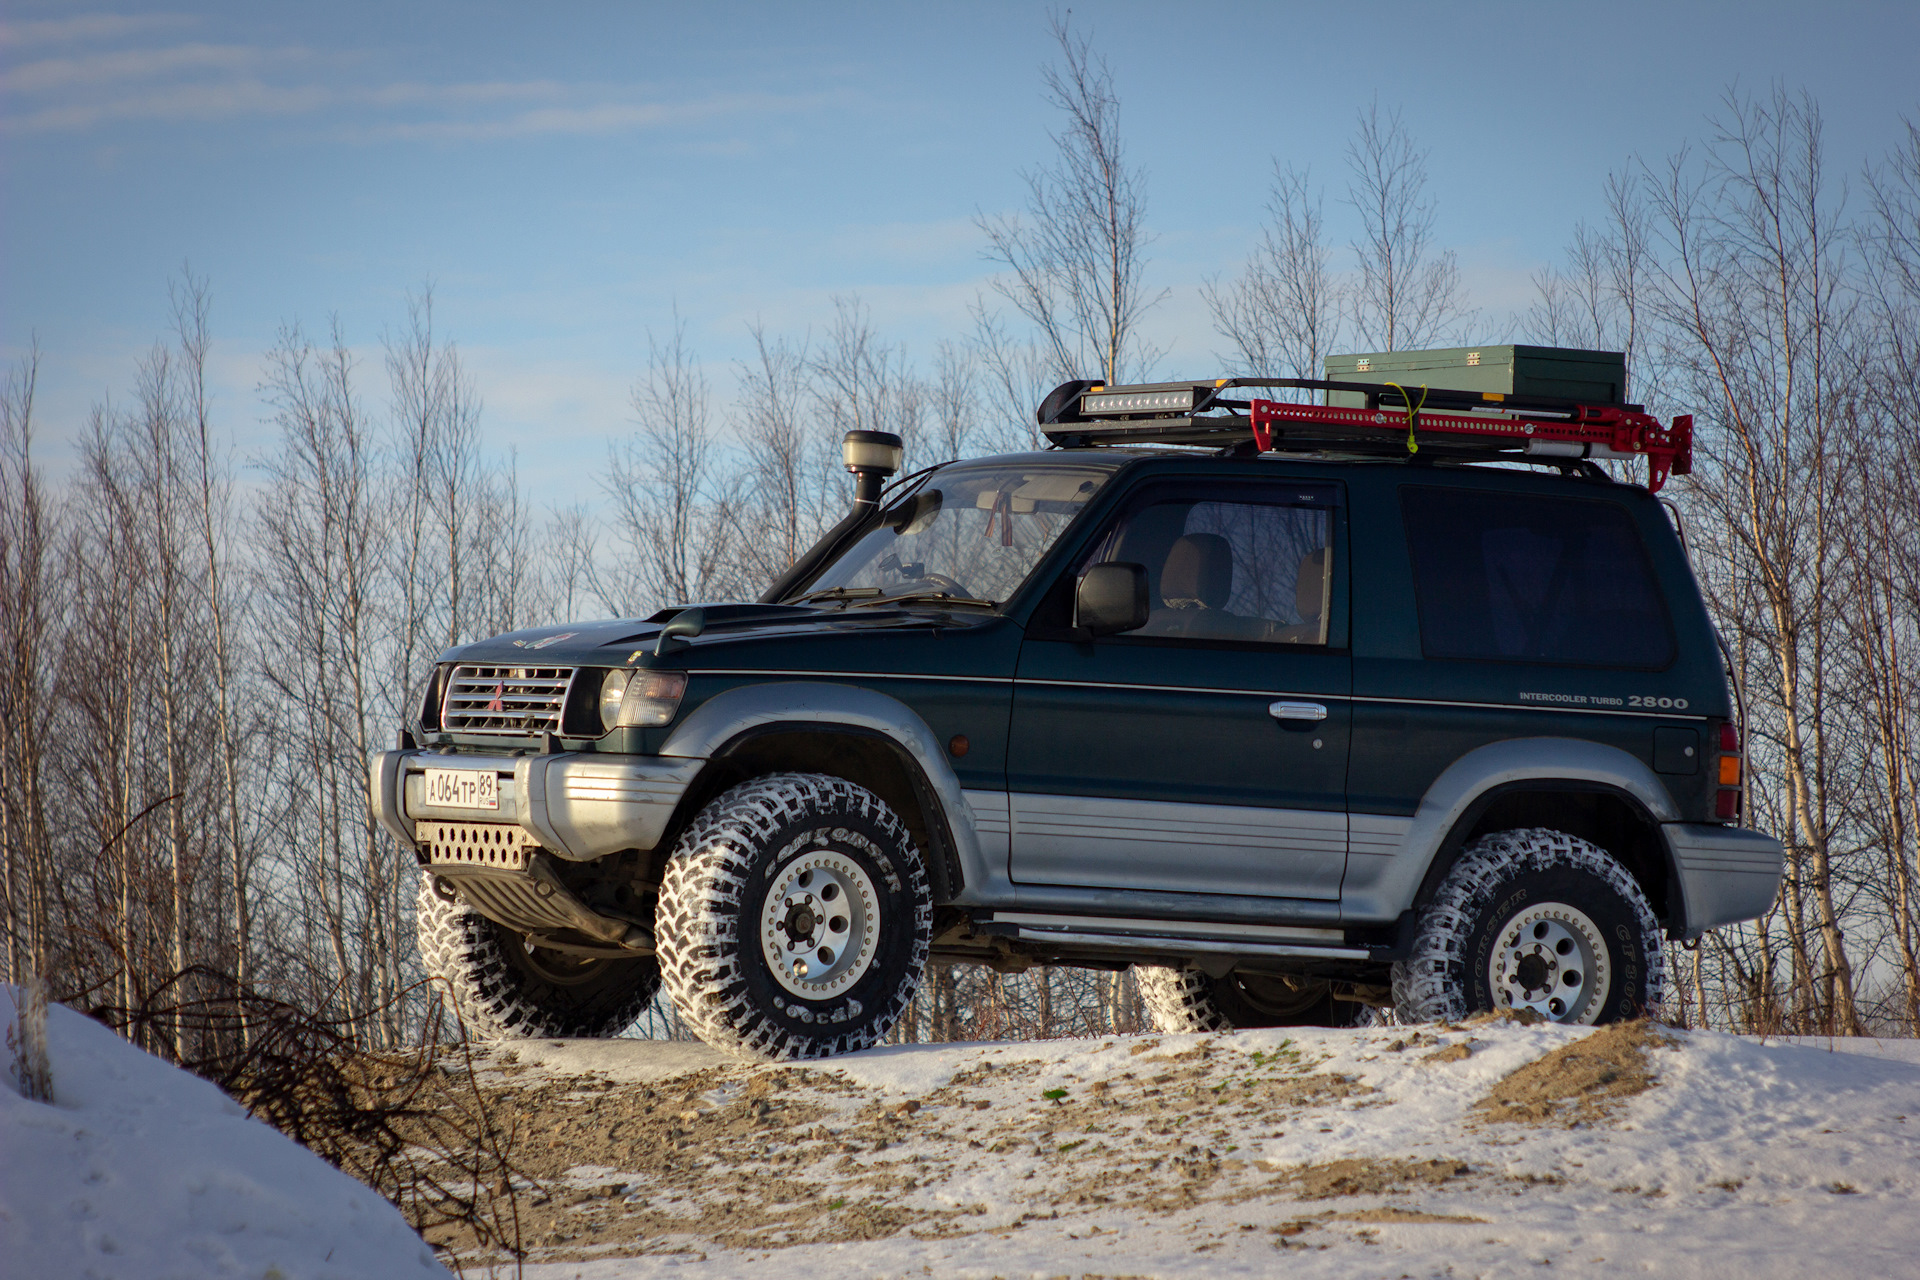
{"x": 1726, "y": 874}
{"x": 576, "y": 806}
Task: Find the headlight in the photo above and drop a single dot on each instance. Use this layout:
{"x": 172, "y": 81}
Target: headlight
{"x": 612, "y": 690}
{"x": 638, "y": 698}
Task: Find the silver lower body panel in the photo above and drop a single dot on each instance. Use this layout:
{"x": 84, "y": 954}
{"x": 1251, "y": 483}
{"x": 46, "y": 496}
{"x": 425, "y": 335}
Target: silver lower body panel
{"x": 1186, "y": 848}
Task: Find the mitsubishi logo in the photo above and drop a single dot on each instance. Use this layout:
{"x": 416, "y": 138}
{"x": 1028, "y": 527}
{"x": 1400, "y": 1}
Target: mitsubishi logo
{"x": 498, "y": 689}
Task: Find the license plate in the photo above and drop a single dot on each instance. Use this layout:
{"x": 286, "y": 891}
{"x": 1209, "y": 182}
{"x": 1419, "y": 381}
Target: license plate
{"x": 462, "y": 788}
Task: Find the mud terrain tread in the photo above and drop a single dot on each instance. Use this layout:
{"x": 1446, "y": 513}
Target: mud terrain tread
{"x": 700, "y": 909}
{"x": 1178, "y": 1001}
{"x": 462, "y": 947}
{"x": 1425, "y": 988}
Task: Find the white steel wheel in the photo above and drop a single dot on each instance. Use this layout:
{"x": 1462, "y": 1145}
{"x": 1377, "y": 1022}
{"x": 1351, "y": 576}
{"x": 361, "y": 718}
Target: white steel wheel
{"x": 795, "y": 918}
{"x": 1550, "y": 958}
{"x": 820, "y": 924}
{"x": 1534, "y": 919}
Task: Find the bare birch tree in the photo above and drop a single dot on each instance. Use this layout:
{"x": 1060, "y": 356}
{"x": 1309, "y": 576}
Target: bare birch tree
{"x": 1017, "y": 375}
{"x": 676, "y": 516}
{"x": 774, "y": 393}
{"x": 1076, "y": 263}
{"x": 1754, "y": 290}
{"x": 1408, "y": 292}
{"x": 28, "y": 582}
{"x": 1283, "y": 312}
{"x": 211, "y": 497}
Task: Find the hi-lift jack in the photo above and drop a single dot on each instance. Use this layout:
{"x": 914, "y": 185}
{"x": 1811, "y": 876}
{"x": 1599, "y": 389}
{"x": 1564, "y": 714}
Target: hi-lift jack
{"x": 1397, "y": 421}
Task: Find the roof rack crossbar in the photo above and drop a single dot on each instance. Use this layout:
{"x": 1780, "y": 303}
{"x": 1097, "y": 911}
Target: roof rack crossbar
{"x": 1453, "y": 424}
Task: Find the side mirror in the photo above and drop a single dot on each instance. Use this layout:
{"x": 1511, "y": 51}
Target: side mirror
{"x": 1112, "y": 597}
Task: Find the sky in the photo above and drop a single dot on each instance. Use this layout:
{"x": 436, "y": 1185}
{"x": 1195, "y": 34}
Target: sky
{"x": 570, "y": 176}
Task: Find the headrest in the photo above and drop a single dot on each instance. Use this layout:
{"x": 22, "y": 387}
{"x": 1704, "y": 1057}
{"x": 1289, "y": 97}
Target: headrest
{"x": 1199, "y": 571}
{"x": 1310, "y": 588}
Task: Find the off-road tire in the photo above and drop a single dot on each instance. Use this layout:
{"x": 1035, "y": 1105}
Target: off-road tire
{"x": 1500, "y": 879}
{"x": 500, "y": 992}
{"x": 1187, "y": 1000}
{"x": 714, "y": 900}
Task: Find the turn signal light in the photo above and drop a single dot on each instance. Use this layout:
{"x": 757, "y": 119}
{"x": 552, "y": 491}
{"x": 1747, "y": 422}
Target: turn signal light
{"x": 1726, "y": 801}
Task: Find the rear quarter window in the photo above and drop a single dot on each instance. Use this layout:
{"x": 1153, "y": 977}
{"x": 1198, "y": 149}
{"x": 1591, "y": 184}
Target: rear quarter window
{"x": 1531, "y": 578}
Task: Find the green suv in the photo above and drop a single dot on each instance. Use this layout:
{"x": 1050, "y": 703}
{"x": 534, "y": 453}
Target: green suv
{"x": 1298, "y": 723}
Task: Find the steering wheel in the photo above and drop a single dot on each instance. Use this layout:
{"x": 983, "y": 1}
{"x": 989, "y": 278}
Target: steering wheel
{"x": 945, "y": 583}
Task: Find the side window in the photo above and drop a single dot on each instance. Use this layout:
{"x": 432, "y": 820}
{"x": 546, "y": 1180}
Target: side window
{"x": 1231, "y": 570}
{"x": 1533, "y": 579}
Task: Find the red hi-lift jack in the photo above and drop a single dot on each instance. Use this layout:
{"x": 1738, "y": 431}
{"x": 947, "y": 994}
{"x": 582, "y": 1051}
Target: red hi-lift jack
{"x": 1591, "y": 431}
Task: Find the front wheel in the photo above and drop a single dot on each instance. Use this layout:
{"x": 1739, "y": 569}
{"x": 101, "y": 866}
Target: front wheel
{"x": 1536, "y": 920}
{"x": 795, "y": 917}
{"x": 503, "y": 989}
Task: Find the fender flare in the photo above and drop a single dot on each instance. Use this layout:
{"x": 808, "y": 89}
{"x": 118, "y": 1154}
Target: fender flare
{"x": 727, "y": 718}
{"x": 1391, "y": 886}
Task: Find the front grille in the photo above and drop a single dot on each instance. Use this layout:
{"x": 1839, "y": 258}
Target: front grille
{"x": 510, "y": 701}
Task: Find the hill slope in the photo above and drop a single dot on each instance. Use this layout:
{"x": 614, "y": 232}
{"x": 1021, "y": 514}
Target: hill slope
{"x": 1487, "y": 1149}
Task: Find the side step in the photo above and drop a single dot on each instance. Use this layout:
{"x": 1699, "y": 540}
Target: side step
{"x": 1178, "y": 936}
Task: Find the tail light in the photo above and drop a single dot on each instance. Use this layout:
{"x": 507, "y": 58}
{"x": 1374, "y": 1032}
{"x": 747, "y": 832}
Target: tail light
{"x": 1726, "y": 801}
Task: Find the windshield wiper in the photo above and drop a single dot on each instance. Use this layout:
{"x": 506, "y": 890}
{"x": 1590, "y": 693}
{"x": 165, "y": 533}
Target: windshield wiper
{"x": 835, "y": 593}
{"x": 931, "y": 593}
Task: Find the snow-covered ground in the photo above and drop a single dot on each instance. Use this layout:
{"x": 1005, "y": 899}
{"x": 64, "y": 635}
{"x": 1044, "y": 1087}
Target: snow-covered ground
{"x": 1308, "y": 1153}
{"x": 1489, "y": 1149}
{"x": 139, "y": 1170}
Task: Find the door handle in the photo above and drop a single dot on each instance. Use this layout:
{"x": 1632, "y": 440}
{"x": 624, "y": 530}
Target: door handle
{"x": 1296, "y": 711}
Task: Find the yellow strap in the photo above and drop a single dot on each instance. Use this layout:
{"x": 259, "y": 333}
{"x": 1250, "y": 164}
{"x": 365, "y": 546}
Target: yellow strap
{"x": 1413, "y": 412}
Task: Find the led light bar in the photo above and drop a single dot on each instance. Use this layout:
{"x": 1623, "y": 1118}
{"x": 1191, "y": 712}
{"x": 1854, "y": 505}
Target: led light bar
{"x": 1097, "y": 403}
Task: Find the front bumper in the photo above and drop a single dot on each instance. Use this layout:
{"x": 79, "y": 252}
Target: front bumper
{"x": 1727, "y": 874}
{"x": 576, "y": 806}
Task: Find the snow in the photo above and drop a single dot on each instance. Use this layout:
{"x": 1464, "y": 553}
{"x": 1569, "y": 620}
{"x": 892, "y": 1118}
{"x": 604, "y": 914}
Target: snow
{"x": 138, "y": 1169}
{"x": 610, "y": 1059}
{"x": 1747, "y": 1159}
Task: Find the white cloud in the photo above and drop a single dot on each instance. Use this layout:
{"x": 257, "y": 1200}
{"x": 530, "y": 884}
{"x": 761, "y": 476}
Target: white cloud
{"x": 55, "y": 75}
{"x": 204, "y": 82}
{"x": 88, "y": 26}
{"x": 200, "y": 102}
{"x": 597, "y": 118}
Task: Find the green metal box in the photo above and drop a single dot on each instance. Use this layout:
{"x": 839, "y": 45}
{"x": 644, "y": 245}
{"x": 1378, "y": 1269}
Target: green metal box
{"x": 1591, "y": 377}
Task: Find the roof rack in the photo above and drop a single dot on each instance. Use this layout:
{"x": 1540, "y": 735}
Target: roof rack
{"x": 1465, "y": 425}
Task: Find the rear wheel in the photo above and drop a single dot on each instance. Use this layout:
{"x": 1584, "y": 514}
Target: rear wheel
{"x": 1537, "y": 920}
{"x": 795, "y": 917}
{"x": 1187, "y": 1000}
{"x": 503, "y": 989}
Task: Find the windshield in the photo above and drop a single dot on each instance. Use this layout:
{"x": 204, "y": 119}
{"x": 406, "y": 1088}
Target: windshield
{"x": 969, "y": 533}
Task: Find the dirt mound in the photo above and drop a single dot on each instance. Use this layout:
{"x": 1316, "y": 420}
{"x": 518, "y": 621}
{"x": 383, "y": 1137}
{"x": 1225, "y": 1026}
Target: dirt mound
{"x": 1580, "y": 1083}
{"x": 1393, "y": 1213}
{"x": 1373, "y": 1177}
